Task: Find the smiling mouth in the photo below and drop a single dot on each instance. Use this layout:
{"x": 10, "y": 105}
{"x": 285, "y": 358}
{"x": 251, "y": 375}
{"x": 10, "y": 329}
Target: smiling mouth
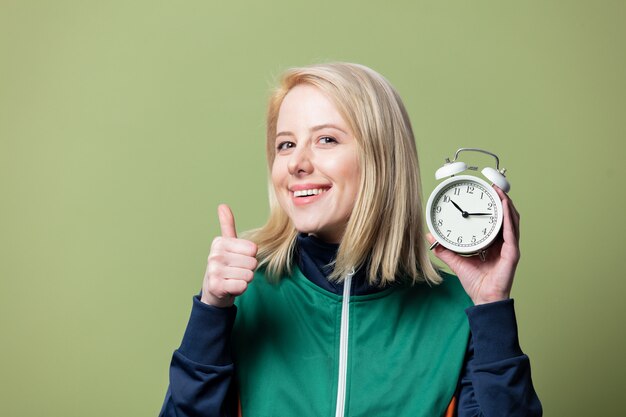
{"x": 310, "y": 192}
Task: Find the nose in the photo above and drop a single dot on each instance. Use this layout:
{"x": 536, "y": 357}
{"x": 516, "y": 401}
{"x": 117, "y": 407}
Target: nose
{"x": 300, "y": 162}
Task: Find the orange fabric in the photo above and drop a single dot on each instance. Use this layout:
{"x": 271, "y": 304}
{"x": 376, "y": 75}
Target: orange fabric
{"x": 451, "y": 411}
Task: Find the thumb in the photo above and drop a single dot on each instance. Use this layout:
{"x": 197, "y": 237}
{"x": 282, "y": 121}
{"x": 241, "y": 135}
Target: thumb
{"x": 227, "y": 221}
{"x": 442, "y": 253}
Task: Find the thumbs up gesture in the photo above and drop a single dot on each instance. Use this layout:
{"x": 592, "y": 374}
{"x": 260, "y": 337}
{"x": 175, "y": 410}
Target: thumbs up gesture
{"x": 231, "y": 264}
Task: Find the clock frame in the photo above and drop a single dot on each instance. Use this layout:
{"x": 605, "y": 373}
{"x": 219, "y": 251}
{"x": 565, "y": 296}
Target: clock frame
{"x": 464, "y": 214}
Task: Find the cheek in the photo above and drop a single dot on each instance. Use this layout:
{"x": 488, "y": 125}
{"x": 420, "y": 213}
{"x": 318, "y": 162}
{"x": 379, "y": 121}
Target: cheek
{"x": 275, "y": 179}
{"x": 278, "y": 180}
{"x": 277, "y": 173}
{"x": 352, "y": 174}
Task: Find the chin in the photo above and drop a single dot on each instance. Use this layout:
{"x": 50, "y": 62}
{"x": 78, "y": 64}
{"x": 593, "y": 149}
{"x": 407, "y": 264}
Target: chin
{"x": 307, "y": 230}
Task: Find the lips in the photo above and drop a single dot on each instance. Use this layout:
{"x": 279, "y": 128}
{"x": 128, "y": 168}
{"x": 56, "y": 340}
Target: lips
{"x": 307, "y": 193}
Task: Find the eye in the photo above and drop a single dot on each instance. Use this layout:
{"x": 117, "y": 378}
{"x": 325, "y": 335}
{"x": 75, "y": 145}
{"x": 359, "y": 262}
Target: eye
{"x": 282, "y": 146}
{"x": 325, "y": 140}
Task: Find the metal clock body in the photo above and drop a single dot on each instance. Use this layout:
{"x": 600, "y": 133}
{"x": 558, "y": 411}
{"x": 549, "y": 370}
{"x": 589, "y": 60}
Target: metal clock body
{"x": 464, "y": 214}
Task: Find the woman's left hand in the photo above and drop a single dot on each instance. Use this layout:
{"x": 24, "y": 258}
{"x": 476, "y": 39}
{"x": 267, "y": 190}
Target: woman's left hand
{"x": 489, "y": 280}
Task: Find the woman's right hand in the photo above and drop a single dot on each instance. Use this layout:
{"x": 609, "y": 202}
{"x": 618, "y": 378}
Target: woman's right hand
{"x": 231, "y": 264}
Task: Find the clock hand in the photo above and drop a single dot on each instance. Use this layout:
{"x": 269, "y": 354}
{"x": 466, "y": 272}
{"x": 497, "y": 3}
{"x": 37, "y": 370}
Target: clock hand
{"x": 463, "y": 212}
{"x": 479, "y": 214}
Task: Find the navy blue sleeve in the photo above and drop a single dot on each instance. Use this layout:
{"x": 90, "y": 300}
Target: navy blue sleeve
{"x": 496, "y": 379}
{"x": 201, "y": 370}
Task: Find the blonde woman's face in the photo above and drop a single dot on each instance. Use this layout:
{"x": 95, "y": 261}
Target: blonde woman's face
{"x": 316, "y": 169}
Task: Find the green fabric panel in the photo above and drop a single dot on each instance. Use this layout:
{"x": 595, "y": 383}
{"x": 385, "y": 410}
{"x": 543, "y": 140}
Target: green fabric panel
{"x": 286, "y": 340}
{"x": 406, "y": 348}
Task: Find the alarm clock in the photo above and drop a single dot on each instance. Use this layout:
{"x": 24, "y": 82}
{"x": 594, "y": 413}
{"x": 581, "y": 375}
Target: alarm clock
{"x": 464, "y": 212}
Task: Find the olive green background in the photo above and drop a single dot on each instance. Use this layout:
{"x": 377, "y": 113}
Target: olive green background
{"x": 124, "y": 123}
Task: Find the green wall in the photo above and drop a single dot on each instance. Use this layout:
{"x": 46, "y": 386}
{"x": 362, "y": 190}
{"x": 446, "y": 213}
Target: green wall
{"x": 124, "y": 123}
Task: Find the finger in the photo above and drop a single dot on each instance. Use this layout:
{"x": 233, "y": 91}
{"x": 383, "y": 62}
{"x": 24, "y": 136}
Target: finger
{"x": 500, "y": 192}
{"x": 229, "y": 272}
{"x": 509, "y": 212}
{"x": 234, "y": 286}
{"x": 227, "y": 221}
{"x": 225, "y": 245}
{"x": 237, "y": 260}
{"x": 516, "y": 219}
{"x": 508, "y": 231}
{"x": 446, "y": 255}
{"x": 432, "y": 241}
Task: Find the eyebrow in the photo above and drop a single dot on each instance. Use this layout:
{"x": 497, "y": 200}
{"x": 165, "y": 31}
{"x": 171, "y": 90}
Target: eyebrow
{"x": 314, "y": 129}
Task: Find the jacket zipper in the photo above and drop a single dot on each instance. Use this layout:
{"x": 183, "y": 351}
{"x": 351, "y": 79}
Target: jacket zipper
{"x": 343, "y": 346}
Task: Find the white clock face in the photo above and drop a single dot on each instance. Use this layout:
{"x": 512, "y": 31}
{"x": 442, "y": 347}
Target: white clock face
{"x": 464, "y": 214}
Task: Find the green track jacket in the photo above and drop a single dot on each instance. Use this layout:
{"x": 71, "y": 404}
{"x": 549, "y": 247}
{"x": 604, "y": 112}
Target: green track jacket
{"x": 303, "y": 351}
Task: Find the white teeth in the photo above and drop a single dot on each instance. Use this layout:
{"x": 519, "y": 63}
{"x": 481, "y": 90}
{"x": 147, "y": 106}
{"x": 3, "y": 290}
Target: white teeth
{"x": 306, "y": 193}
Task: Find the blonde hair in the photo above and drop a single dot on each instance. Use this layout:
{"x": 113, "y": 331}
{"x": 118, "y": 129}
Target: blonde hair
{"x": 385, "y": 229}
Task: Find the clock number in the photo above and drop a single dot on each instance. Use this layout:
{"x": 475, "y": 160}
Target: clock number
{"x": 485, "y": 231}
{"x": 448, "y": 234}
{"x": 439, "y": 222}
{"x": 492, "y": 220}
{"x": 446, "y": 198}
{"x": 489, "y": 206}
{"x": 470, "y": 190}
{"x": 481, "y": 195}
{"x": 459, "y": 239}
{"x": 457, "y": 191}
{"x": 438, "y": 209}
{"x": 473, "y": 239}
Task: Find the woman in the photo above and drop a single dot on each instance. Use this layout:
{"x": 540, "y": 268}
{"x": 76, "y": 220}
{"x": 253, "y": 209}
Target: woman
{"x": 333, "y": 307}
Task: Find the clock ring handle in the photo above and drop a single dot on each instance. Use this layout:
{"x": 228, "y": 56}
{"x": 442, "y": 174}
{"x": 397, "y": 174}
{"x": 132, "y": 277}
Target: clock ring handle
{"x": 456, "y": 155}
